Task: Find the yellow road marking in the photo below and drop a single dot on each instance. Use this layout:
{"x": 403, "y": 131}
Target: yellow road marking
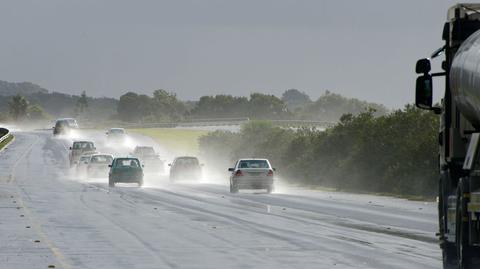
{"x": 37, "y": 226}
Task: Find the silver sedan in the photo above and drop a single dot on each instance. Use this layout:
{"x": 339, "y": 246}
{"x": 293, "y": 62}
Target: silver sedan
{"x": 251, "y": 174}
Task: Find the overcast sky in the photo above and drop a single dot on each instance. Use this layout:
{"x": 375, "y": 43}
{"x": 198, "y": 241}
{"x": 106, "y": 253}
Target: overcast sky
{"x": 363, "y": 49}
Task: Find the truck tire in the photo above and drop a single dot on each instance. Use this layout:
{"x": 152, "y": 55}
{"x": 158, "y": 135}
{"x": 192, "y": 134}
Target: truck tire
{"x": 449, "y": 250}
{"x": 464, "y": 251}
{"x": 449, "y": 256}
{"x": 442, "y": 205}
{"x": 111, "y": 182}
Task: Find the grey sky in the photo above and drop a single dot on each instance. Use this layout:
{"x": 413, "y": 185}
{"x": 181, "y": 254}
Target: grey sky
{"x": 364, "y": 49}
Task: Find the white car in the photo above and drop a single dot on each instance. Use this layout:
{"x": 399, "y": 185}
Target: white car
{"x": 116, "y": 134}
{"x": 98, "y": 165}
{"x": 149, "y": 158}
{"x": 82, "y": 164}
{"x": 251, "y": 174}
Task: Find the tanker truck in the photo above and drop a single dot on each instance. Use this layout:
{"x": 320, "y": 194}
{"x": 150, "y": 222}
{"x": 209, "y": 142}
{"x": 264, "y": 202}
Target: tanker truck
{"x": 458, "y": 136}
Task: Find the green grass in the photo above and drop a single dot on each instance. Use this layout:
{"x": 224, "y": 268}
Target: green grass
{"x": 179, "y": 141}
{"x": 6, "y": 141}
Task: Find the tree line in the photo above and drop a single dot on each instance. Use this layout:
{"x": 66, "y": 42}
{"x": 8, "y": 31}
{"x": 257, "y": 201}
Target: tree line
{"x": 393, "y": 153}
{"x": 42, "y": 106}
{"x": 164, "y": 106}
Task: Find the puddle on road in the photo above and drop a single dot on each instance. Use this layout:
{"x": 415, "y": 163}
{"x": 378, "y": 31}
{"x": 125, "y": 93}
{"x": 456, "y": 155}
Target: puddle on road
{"x": 390, "y": 231}
{"x": 353, "y": 240}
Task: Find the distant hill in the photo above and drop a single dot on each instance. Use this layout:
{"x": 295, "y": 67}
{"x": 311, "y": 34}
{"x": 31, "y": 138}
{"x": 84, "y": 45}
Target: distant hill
{"x": 23, "y": 88}
{"x": 54, "y": 103}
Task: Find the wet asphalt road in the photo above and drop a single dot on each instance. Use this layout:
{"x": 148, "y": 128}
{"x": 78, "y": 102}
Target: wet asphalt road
{"x": 51, "y": 217}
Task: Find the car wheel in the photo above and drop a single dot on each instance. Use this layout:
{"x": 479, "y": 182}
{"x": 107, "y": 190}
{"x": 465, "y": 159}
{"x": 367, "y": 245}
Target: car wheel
{"x": 111, "y": 182}
{"x": 233, "y": 188}
{"x": 270, "y": 189}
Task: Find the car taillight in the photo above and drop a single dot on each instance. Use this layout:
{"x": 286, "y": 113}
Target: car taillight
{"x": 238, "y": 173}
{"x": 270, "y": 173}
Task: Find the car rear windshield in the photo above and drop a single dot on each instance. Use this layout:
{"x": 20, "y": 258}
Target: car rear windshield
{"x": 253, "y": 164}
{"x": 101, "y": 159}
{"x": 147, "y": 151}
{"x": 61, "y": 123}
{"x": 83, "y": 145}
{"x": 127, "y": 163}
{"x": 117, "y": 131}
{"x": 187, "y": 161}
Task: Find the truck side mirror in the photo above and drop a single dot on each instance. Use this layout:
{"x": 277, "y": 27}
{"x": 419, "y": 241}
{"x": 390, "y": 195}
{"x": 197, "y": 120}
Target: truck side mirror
{"x": 424, "y": 92}
{"x": 423, "y": 66}
{"x": 231, "y": 169}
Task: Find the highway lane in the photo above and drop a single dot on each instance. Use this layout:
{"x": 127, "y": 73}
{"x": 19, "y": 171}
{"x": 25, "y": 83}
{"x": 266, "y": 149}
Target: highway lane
{"x": 85, "y": 224}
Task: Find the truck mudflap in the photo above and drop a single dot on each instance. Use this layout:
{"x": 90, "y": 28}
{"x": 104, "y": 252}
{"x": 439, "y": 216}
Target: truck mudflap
{"x": 451, "y": 218}
{"x": 473, "y": 207}
{"x": 473, "y": 210}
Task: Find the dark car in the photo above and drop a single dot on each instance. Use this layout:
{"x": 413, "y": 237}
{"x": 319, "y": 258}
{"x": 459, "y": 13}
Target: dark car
{"x": 150, "y": 158}
{"x": 64, "y": 126}
{"x": 125, "y": 170}
{"x": 185, "y": 167}
{"x": 251, "y": 174}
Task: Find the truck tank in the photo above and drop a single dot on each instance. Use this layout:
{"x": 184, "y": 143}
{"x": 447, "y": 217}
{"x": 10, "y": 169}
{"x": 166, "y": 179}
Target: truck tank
{"x": 465, "y": 79}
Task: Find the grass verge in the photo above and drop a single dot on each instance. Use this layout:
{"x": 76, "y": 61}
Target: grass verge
{"x": 180, "y": 141}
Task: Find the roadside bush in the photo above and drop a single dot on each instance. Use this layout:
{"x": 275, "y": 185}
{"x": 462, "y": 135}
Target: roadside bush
{"x": 3, "y": 117}
{"x": 395, "y": 153}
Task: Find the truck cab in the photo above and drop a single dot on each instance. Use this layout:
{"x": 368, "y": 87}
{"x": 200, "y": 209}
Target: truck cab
{"x": 458, "y": 136}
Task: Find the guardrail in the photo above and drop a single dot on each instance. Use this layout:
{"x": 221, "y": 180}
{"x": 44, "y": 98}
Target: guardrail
{"x": 219, "y": 122}
{"x": 4, "y": 134}
{"x": 301, "y": 123}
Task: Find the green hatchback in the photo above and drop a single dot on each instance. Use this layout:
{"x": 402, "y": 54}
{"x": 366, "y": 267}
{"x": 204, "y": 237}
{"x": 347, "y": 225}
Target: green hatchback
{"x": 125, "y": 170}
